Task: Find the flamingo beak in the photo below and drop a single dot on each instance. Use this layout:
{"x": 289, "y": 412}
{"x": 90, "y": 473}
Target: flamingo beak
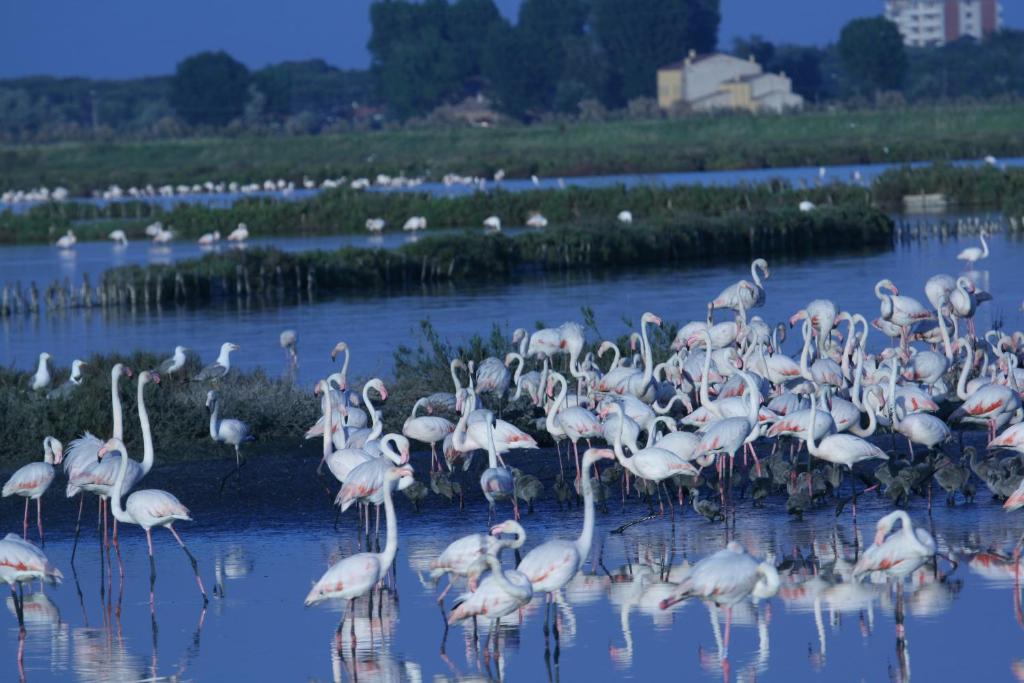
{"x": 155, "y": 377}
{"x": 128, "y": 372}
{"x": 384, "y": 393}
{"x": 498, "y": 529}
{"x": 656, "y": 320}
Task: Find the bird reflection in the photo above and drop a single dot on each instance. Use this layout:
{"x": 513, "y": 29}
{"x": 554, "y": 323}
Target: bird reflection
{"x": 362, "y": 641}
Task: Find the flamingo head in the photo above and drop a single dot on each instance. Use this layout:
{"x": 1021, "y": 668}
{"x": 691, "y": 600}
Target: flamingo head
{"x": 396, "y": 473}
{"x": 509, "y": 526}
{"x": 113, "y": 445}
{"x": 54, "y": 449}
{"x": 651, "y": 318}
{"x": 211, "y": 398}
{"x": 338, "y": 348}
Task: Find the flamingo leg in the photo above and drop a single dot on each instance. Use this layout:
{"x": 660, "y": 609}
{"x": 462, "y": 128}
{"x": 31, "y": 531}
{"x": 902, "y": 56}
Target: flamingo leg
{"x": 18, "y": 608}
{"x": 152, "y": 568}
{"x": 78, "y": 525}
{"x": 576, "y": 452}
{"x": 24, "y": 528}
{"x": 192, "y": 559}
{"x": 728, "y": 628}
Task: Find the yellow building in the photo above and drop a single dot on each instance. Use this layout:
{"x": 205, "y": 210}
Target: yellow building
{"x": 719, "y": 81}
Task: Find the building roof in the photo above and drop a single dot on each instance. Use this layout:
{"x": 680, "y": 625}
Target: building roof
{"x": 679, "y": 64}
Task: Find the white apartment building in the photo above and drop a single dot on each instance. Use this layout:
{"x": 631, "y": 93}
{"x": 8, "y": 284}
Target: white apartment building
{"x": 930, "y": 23}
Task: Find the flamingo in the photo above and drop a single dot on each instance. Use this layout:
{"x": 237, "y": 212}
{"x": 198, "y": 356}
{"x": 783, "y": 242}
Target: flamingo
{"x": 32, "y": 480}
{"x": 726, "y": 435}
{"x": 654, "y": 463}
{"x": 342, "y": 461}
{"x": 744, "y": 294}
{"x": 119, "y": 238}
{"x": 840, "y": 449}
{"x": 367, "y": 481}
{"x": 573, "y": 422}
{"x": 901, "y": 553}
{"x": 42, "y": 379}
{"x": 551, "y": 565}
{"x": 501, "y": 593}
{"x": 149, "y": 508}
{"x": 972, "y": 255}
{"x": 81, "y": 462}
{"x": 427, "y": 429}
{"x": 991, "y": 404}
{"x": 466, "y": 556}
{"x": 23, "y": 562}
{"x": 220, "y": 367}
{"x": 497, "y": 482}
{"x": 356, "y": 575}
{"x": 822, "y": 314}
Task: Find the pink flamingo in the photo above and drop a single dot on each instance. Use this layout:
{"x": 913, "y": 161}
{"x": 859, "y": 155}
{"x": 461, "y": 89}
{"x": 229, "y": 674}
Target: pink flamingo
{"x": 356, "y": 575}
{"x": 32, "y": 480}
{"x": 501, "y": 593}
{"x": 497, "y": 482}
{"x": 840, "y": 449}
{"x": 23, "y": 562}
{"x": 744, "y": 294}
{"x": 366, "y": 482}
{"x": 725, "y": 436}
{"x": 427, "y": 429}
{"x": 82, "y": 452}
{"x": 573, "y": 422}
{"x": 149, "y": 508}
{"x": 901, "y": 553}
{"x": 551, "y": 565}
{"x": 466, "y": 556}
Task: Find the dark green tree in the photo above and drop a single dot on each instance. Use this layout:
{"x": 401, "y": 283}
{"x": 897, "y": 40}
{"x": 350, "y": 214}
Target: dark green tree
{"x": 426, "y": 54}
{"x": 642, "y": 35}
{"x": 209, "y": 88}
{"x": 872, "y": 56}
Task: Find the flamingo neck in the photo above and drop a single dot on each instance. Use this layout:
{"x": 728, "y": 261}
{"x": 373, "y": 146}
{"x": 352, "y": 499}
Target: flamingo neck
{"x": 517, "y": 592}
{"x": 387, "y": 448}
{"x": 647, "y": 355}
{"x": 812, "y": 447}
{"x": 492, "y": 451}
{"x": 984, "y": 246}
{"x": 617, "y": 442}
{"x": 387, "y": 556}
{"x": 586, "y": 538}
{"x": 553, "y": 428}
{"x": 117, "y": 507}
{"x": 705, "y": 396}
{"x": 961, "y": 383}
{"x": 518, "y": 375}
{"x": 115, "y": 402}
{"x": 455, "y": 376}
{"x": 328, "y": 422}
{"x": 147, "y": 434}
{"x": 215, "y": 419}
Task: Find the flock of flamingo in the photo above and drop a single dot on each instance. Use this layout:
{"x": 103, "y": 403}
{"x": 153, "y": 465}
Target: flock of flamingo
{"x": 672, "y": 428}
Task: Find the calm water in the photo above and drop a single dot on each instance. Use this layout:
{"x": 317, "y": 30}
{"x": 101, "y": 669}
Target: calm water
{"x": 266, "y": 539}
{"x": 797, "y": 175}
{"x": 375, "y": 325}
{"x": 44, "y": 263}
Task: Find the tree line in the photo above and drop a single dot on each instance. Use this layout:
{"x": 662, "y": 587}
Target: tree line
{"x": 559, "y": 58}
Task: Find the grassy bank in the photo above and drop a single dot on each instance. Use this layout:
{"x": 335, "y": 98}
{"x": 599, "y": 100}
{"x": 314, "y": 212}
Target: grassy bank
{"x": 939, "y": 132}
{"x": 275, "y": 410}
{"x": 477, "y": 257}
{"x": 346, "y": 211}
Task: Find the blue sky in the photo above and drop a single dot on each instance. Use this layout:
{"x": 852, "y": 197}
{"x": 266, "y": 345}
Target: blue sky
{"x": 127, "y": 38}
